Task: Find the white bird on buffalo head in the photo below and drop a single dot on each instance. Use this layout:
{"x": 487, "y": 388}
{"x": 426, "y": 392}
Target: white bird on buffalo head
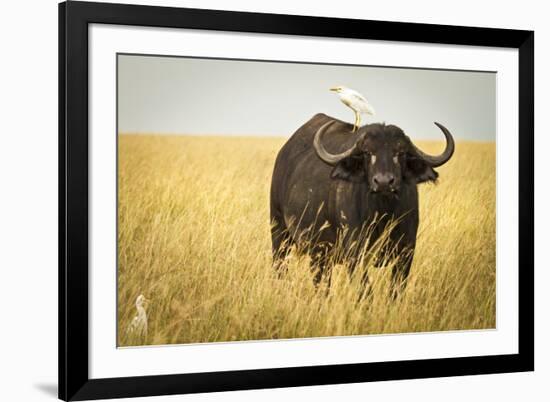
{"x": 138, "y": 326}
{"x": 356, "y": 102}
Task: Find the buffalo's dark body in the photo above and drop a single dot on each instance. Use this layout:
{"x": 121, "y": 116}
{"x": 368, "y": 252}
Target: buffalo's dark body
{"x": 307, "y": 193}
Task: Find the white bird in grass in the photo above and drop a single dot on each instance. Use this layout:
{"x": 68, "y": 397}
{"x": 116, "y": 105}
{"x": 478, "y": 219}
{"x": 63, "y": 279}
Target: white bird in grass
{"x": 356, "y": 102}
{"x": 138, "y": 326}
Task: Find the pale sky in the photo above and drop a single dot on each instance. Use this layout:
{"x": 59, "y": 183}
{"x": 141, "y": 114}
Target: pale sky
{"x": 173, "y": 95}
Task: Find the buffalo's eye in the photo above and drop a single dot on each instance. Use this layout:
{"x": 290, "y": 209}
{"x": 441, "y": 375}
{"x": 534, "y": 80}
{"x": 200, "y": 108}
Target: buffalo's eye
{"x": 370, "y": 156}
{"x": 396, "y": 157}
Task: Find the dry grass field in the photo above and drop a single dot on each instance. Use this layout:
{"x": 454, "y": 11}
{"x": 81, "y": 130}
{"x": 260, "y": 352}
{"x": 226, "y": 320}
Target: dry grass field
{"x": 194, "y": 238}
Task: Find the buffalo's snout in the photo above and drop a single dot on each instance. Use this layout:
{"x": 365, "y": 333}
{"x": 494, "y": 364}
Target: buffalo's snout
{"x": 384, "y": 182}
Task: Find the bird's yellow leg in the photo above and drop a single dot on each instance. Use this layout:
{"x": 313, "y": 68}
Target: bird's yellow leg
{"x": 355, "y": 125}
{"x": 358, "y": 120}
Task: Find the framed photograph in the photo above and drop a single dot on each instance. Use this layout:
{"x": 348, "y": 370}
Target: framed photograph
{"x": 257, "y": 201}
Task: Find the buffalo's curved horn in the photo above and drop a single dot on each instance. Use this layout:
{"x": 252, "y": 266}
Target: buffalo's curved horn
{"x": 331, "y": 159}
{"x": 435, "y": 161}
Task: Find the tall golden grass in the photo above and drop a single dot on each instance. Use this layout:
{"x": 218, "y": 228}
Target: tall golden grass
{"x": 194, "y": 238}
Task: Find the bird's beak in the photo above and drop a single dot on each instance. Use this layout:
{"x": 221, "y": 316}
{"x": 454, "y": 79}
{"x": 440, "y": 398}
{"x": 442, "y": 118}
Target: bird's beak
{"x": 334, "y": 89}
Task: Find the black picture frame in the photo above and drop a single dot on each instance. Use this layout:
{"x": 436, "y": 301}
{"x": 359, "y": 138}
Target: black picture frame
{"x": 74, "y": 381}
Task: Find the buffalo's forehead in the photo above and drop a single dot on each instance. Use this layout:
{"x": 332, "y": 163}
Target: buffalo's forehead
{"x": 384, "y": 137}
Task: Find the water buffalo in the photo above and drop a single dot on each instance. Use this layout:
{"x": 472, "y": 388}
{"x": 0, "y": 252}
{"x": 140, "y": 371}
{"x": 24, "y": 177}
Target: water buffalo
{"x": 329, "y": 185}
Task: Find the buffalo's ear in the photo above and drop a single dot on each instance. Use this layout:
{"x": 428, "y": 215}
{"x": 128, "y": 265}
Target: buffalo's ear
{"x": 349, "y": 169}
{"x": 418, "y": 170}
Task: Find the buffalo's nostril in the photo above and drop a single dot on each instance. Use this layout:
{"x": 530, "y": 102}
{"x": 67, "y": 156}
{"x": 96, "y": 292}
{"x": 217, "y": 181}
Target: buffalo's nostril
{"x": 383, "y": 182}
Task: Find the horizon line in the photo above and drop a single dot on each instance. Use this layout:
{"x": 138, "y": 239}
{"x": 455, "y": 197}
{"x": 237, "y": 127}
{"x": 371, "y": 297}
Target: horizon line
{"x": 260, "y": 136}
